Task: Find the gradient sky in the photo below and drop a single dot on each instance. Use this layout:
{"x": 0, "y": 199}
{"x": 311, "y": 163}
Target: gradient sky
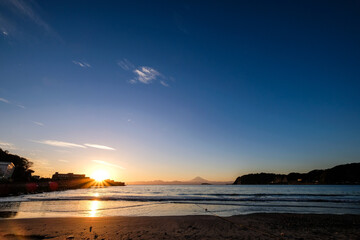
{"x": 175, "y": 89}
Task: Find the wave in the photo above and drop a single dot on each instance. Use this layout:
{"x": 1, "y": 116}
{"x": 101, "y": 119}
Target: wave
{"x": 263, "y": 207}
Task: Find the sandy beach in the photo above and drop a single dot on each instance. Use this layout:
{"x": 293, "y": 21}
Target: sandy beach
{"x": 253, "y": 226}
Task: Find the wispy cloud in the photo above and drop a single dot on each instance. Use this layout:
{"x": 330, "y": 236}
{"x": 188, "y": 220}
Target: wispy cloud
{"x": 62, "y": 160}
{"x": 38, "y": 123}
{"x": 8, "y": 102}
{"x": 126, "y": 64}
{"x": 4, "y": 100}
{"x": 42, "y": 162}
{"x": 25, "y": 9}
{"x": 143, "y": 74}
{"x": 99, "y": 146}
{"x": 108, "y": 164}
{"x": 132, "y": 81}
{"x": 6, "y": 26}
{"x": 146, "y": 74}
{"x": 164, "y": 83}
{"x": 22, "y": 10}
{"x": 7, "y": 145}
{"x": 82, "y": 64}
{"x": 56, "y": 143}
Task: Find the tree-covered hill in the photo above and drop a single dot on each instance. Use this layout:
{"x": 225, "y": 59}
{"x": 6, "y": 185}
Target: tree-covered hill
{"x": 341, "y": 174}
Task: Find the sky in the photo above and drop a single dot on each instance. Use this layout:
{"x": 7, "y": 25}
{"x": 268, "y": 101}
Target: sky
{"x": 172, "y": 90}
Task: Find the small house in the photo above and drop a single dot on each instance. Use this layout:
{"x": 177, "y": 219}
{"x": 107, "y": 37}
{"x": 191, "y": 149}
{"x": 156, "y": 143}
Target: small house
{"x": 6, "y": 170}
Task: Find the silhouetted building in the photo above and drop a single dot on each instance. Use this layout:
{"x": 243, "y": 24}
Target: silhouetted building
{"x": 6, "y": 170}
{"x": 67, "y": 176}
{"x": 35, "y": 177}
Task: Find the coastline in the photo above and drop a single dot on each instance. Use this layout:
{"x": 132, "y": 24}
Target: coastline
{"x": 34, "y": 187}
{"x": 252, "y": 226}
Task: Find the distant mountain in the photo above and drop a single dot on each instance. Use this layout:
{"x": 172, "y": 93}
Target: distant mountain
{"x": 199, "y": 180}
{"x": 194, "y": 181}
{"x": 341, "y": 174}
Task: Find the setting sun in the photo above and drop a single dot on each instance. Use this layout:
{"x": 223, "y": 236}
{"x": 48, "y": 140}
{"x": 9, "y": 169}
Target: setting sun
{"x": 100, "y": 175}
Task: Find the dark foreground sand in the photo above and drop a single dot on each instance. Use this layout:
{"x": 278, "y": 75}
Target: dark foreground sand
{"x": 254, "y": 226}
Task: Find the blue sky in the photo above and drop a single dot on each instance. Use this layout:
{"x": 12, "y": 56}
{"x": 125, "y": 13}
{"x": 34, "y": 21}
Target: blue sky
{"x": 172, "y": 90}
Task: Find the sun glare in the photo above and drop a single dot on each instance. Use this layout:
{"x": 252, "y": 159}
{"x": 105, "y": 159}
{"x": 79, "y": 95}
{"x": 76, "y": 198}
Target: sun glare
{"x": 100, "y": 175}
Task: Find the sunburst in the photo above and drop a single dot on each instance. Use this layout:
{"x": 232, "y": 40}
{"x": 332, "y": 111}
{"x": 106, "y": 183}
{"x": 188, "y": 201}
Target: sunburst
{"x": 100, "y": 175}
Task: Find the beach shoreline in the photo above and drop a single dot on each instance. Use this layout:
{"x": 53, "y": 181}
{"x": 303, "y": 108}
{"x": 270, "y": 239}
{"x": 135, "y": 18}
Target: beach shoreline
{"x": 252, "y": 226}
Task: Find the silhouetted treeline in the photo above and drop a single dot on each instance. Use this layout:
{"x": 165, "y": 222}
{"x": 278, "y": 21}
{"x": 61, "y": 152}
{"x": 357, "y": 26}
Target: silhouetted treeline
{"x": 341, "y": 174}
{"x": 22, "y": 172}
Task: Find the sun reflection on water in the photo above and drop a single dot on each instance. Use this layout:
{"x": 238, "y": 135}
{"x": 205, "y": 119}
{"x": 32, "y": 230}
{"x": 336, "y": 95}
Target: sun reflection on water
{"x": 94, "y": 206}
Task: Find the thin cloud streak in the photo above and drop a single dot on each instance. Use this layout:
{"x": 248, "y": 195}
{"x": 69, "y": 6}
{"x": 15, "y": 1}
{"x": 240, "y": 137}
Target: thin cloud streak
{"x": 7, "y": 145}
{"x": 6, "y": 27}
{"x": 132, "y": 81}
{"x": 38, "y": 123}
{"x": 4, "y": 100}
{"x": 108, "y": 164}
{"x": 99, "y": 146}
{"x": 164, "y": 83}
{"x": 23, "y": 9}
{"x": 56, "y": 143}
{"x": 82, "y": 64}
{"x": 126, "y": 64}
{"x": 8, "y": 102}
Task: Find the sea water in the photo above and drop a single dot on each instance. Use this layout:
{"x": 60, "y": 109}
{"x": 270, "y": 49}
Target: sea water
{"x": 165, "y": 200}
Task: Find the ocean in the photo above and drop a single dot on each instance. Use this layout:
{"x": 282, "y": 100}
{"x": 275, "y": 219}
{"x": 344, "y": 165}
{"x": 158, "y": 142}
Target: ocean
{"x": 165, "y": 200}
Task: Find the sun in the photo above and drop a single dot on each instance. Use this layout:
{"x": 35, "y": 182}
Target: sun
{"x": 100, "y": 175}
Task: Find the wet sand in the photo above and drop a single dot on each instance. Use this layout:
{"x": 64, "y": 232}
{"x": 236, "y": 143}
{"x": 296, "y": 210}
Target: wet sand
{"x": 253, "y": 226}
